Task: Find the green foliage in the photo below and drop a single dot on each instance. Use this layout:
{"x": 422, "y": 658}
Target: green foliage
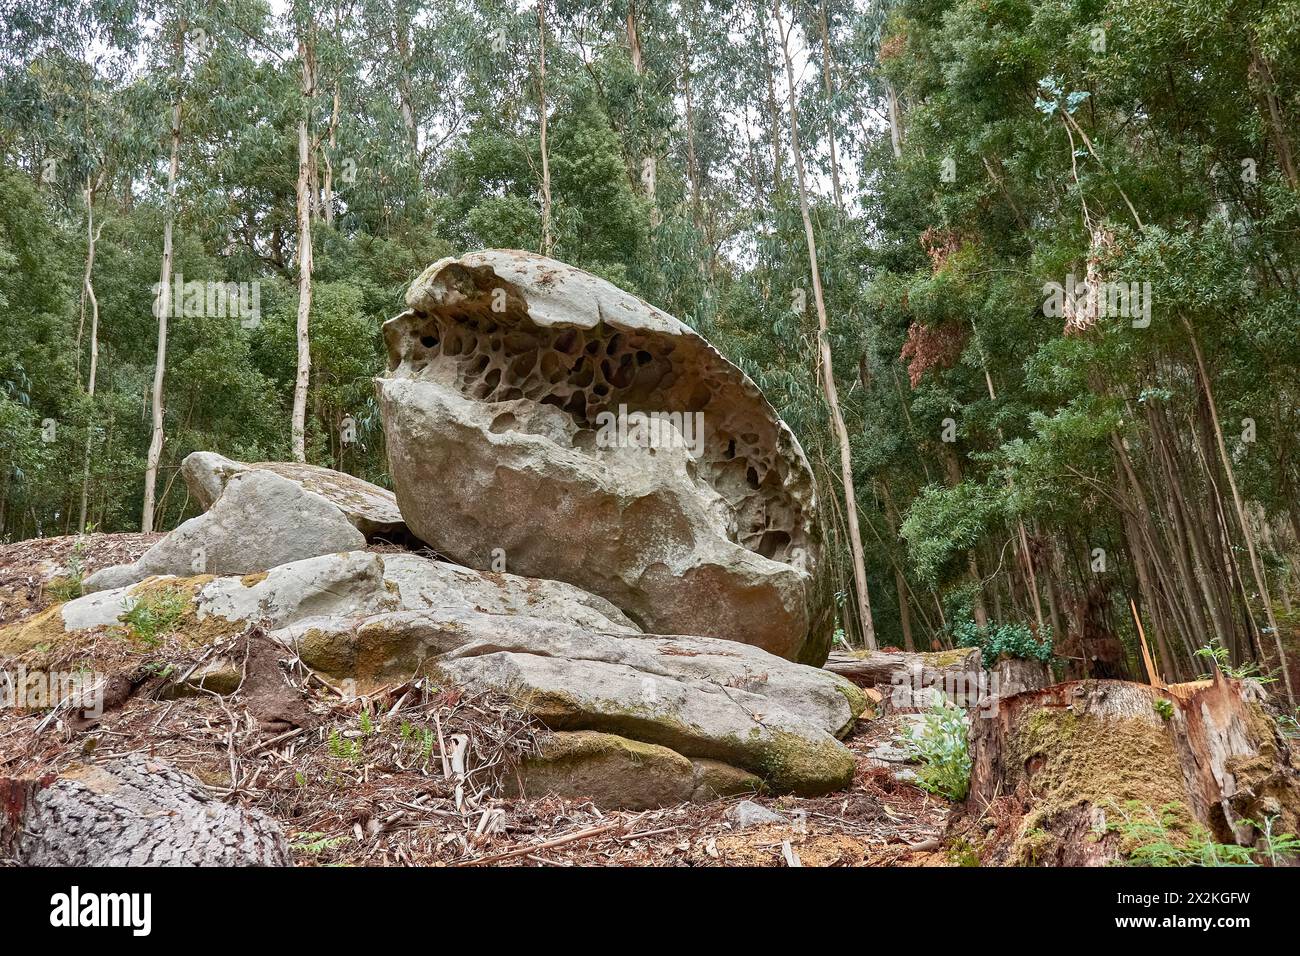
{"x": 314, "y": 843}
{"x": 69, "y": 586}
{"x": 1010, "y": 640}
{"x": 1222, "y": 659}
{"x": 1163, "y": 707}
{"x": 155, "y": 613}
{"x": 943, "y": 749}
{"x": 344, "y": 748}
{"x": 1160, "y": 838}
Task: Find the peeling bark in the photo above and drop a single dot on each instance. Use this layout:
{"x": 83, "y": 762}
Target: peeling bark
{"x": 1053, "y": 769}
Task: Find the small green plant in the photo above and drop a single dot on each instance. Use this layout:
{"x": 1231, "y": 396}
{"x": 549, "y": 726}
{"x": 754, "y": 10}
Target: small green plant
{"x": 315, "y": 843}
{"x": 1214, "y": 651}
{"x": 343, "y": 748}
{"x": 1165, "y": 708}
{"x": 963, "y": 853}
{"x": 422, "y": 737}
{"x": 367, "y": 723}
{"x": 155, "y": 614}
{"x": 1281, "y": 849}
{"x": 69, "y": 586}
{"x": 943, "y": 750}
{"x": 1163, "y": 838}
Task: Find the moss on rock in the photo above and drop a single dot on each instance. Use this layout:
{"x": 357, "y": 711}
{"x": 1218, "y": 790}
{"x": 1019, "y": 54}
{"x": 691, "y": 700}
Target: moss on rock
{"x": 610, "y": 770}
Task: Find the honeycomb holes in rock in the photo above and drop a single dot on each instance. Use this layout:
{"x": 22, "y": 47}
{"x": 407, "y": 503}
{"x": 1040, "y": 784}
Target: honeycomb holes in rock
{"x": 505, "y": 357}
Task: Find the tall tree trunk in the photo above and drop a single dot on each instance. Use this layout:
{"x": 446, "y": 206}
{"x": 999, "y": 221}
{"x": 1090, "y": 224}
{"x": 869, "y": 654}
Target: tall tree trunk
{"x": 1260, "y": 68}
{"x": 773, "y": 114}
{"x": 824, "y": 348}
{"x": 692, "y": 164}
{"x": 88, "y": 286}
{"x": 303, "y": 377}
{"x": 1031, "y": 578}
{"x": 830, "y": 106}
{"x": 405, "y": 94}
{"x": 895, "y": 120}
{"x": 548, "y": 239}
{"x": 327, "y": 197}
{"x": 1247, "y": 533}
{"x": 900, "y": 580}
{"x": 978, "y": 608}
{"x": 164, "y": 299}
{"x": 633, "y": 39}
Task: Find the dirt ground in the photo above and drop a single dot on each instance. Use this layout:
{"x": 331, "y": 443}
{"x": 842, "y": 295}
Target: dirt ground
{"x": 373, "y": 780}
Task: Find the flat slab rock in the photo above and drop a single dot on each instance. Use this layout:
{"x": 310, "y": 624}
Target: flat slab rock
{"x": 701, "y": 698}
{"x": 615, "y": 772}
{"x": 340, "y": 587}
{"x": 370, "y": 509}
{"x": 260, "y": 521}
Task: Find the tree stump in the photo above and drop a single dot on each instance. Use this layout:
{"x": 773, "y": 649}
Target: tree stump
{"x": 135, "y": 811}
{"x": 1053, "y": 768}
{"x": 1014, "y": 675}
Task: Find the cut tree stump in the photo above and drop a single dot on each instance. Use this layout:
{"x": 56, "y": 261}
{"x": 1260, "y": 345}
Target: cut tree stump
{"x": 135, "y": 811}
{"x": 1054, "y": 769}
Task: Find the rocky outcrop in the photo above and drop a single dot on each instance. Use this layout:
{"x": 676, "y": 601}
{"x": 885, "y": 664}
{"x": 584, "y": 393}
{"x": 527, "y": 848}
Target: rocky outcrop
{"x": 614, "y": 772}
{"x": 335, "y": 589}
{"x": 370, "y": 509}
{"x": 715, "y": 716}
{"x": 702, "y": 698}
{"x": 259, "y": 521}
{"x": 538, "y": 416}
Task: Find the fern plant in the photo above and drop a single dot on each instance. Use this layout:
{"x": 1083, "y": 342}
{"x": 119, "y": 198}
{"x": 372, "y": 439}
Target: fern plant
{"x": 1161, "y": 838}
{"x": 1214, "y": 651}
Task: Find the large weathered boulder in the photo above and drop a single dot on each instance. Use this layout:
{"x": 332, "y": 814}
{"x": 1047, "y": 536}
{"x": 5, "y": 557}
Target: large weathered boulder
{"x": 371, "y": 510}
{"x": 539, "y": 415}
{"x": 260, "y": 521}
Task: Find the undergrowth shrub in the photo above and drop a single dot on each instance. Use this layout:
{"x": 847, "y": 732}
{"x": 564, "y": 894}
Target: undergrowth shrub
{"x": 943, "y": 750}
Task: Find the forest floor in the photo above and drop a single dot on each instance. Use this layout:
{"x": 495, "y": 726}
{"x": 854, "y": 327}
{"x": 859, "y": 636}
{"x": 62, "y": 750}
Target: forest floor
{"x": 361, "y": 780}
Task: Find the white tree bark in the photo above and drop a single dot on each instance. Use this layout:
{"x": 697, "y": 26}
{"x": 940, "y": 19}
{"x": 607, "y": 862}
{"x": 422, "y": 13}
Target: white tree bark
{"x": 548, "y": 239}
{"x": 304, "y": 201}
{"x": 827, "y": 374}
{"x": 88, "y": 287}
{"x": 164, "y": 298}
